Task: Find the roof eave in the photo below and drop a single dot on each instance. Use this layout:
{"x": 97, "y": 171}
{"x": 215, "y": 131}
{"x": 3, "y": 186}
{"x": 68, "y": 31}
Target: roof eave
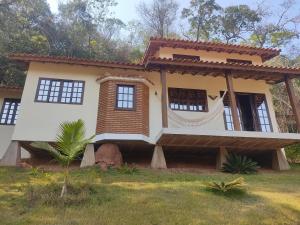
{"x": 74, "y": 61}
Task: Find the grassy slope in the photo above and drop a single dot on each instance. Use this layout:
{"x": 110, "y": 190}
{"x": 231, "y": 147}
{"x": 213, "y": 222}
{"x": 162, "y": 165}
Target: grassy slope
{"x": 149, "y": 197}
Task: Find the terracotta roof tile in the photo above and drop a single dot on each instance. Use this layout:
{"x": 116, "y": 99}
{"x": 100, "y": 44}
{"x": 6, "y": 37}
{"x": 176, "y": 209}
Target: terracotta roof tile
{"x": 73, "y": 60}
{"x": 243, "y": 65}
{"x": 155, "y": 43}
{"x": 10, "y": 87}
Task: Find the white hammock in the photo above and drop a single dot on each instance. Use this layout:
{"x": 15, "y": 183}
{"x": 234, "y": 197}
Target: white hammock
{"x": 179, "y": 121}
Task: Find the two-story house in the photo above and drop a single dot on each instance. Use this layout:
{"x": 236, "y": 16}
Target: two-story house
{"x": 186, "y": 104}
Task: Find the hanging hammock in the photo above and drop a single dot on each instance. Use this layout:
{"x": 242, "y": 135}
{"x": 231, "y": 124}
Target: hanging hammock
{"x": 179, "y": 121}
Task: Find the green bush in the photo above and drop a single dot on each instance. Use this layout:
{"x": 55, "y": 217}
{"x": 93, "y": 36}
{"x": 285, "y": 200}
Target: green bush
{"x": 239, "y": 164}
{"x": 293, "y": 153}
{"x": 125, "y": 169}
{"x": 226, "y": 186}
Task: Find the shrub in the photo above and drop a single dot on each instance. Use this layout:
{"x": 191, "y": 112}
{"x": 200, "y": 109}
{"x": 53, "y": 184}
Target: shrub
{"x": 70, "y": 143}
{"x": 125, "y": 169}
{"x": 293, "y": 153}
{"x": 226, "y": 186}
{"x": 239, "y": 164}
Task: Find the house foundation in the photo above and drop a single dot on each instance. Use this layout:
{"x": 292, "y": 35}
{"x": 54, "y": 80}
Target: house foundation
{"x": 221, "y": 157}
{"x": 12, "y": 156}
{"x": 279, "y": 161}
{"x": 88, "y": 156}
{"x": 158, "y": 158}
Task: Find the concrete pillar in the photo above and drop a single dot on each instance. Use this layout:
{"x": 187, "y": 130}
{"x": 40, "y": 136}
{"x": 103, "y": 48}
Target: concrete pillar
{"x": 221, "y": 157}
{"x": 12, "y": 156}
{"x": 279, "y": 161}
{"x": 88, "y": 156}
{"x": 158, "y": 158}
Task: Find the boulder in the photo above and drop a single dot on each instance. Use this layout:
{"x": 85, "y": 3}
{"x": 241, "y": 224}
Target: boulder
{"x": 108, "y": 155}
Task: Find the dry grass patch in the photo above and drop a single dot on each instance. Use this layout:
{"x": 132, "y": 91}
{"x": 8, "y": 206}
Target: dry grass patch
{"x": 146, "y": 197}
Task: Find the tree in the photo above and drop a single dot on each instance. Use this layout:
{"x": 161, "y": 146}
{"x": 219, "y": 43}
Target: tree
{"x": 202, "y": 16}
{"x": 237, "y": 21}
{"x": 158, "y": 16}
{"x": 22, "y": 29}
{"x": 280, "y": 30}
{"x": 70, "y": 143}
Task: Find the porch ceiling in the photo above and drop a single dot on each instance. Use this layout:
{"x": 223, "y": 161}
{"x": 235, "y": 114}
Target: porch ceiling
{"x": 258, "y": 72}
{"x": 229, "y": 139}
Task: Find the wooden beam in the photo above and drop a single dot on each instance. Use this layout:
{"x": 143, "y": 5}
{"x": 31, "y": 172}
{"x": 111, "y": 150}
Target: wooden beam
{"x": 232, "y": 99}
{"x": 164, "y": 106}
{"x": 293, "y": 100}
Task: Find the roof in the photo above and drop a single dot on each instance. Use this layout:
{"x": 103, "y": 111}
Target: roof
{"x": 155, "y": 43}
{"x": 247, "y": 71}
{"x": 75, "y": 61}
{"x": 10, "y": 88}
{"x": 271, "y": 74}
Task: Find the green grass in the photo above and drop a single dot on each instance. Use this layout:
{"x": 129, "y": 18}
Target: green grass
{"x": 146, "y": 197}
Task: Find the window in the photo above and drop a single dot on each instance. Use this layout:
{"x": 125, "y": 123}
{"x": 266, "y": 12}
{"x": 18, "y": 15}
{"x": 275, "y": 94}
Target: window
{"x": 228, "y": 113}
{"x": 188, "y": 99}
{"x": 125, "y": 96}
{"x": 10, "y": 111}
{"x": 60, "y": 91}
{"x": 188, "y": 57}
{"x": 262, "y": 113}
{"x": 239, "y": 61}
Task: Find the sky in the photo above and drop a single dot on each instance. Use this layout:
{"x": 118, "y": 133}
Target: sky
{"x": 126, "y": 9}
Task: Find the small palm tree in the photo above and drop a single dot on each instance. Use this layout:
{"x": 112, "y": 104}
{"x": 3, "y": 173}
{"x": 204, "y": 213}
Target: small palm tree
{"x": 70, "y": 143}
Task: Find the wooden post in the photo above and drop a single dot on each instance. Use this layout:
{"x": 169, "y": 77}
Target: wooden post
{"x": 232, "y": 99}
{"x": 293, "y": 100}
{"x": 164, "y": 106}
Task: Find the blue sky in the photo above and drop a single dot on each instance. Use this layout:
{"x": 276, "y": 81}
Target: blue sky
{"x": 126, "y": 9}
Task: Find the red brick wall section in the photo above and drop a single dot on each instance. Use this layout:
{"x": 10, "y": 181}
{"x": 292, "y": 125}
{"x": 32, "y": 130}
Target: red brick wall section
{"x": 112, "y": 120}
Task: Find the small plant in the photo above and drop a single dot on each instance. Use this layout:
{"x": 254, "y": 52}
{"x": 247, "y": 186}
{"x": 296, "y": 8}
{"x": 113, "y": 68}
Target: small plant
{"x": 226, "y": 186}
{"x": 35, "y": 171}
{"x": 239, "y": 164}
{"x": 125, "y": 169}
{"x": 70, "y": 143}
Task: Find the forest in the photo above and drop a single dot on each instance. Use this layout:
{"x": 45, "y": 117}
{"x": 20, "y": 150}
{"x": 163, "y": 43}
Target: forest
{"x": 90, "y": 29}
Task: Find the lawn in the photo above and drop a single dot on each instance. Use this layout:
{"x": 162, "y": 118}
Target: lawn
{"x": 146, "y": 198}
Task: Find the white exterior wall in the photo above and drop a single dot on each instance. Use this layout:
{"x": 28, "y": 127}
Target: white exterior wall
{"x": 212, "y": 56}
{"x": 213, "y": 86}
{"x": 40, "y": 121}
{"x": 6, "y": 131}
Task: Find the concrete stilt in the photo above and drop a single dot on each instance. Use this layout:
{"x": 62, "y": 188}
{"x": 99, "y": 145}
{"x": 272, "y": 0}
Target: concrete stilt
{"x": 279, "y": 161}
{"x": 12, "y": 156}
{"x": 221, "y": 157}
{"x": 88, "y": 156}
{"x": 158, "y": 158}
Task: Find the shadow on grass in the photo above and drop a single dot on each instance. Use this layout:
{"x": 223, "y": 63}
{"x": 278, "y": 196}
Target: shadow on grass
{"x": 79, "y": 194}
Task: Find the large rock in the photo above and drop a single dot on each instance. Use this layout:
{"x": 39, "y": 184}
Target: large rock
{"x": 108, "y": 155}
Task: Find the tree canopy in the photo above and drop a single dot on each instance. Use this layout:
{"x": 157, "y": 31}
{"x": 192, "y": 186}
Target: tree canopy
{"x": 89, "y": 28}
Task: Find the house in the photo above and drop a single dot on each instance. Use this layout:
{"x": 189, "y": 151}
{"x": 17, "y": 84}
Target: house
{"x": 187, "y": 103}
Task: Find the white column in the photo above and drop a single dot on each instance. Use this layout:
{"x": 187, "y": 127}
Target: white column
{"x": 12, "y": 156}
{"x": 158, "y": 158}
{"x": 88, "y": 156}
{"x": 221, "y": 157}
{"x": 279, "y": 161}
